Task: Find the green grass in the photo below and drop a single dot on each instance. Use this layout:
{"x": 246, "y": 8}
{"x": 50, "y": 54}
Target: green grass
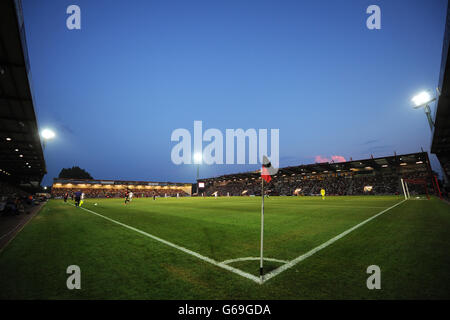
{"x": 410, "y": 243}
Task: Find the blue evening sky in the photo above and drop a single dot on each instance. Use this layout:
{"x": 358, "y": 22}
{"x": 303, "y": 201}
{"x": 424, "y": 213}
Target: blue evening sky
{"x": 137, "y": 70}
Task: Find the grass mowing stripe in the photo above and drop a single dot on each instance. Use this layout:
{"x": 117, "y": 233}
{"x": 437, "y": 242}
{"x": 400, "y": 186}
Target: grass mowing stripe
{"x": 292, "y": 263}
{"x": 410, "y": 243}
{"x": 190, "y": 252}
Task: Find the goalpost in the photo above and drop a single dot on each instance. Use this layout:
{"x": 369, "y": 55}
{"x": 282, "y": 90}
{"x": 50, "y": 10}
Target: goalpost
{"x": 419, "y": 189}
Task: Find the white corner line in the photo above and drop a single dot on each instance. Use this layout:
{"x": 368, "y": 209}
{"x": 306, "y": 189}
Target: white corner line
{"x": 293, "y": 262}
{"x": 190, "y": 252}
{"x": 253, "y": 259}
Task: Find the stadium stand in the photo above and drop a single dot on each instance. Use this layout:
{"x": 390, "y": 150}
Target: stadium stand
{"x": 118, "y": 188}
{"x": 21, "y": 157}
{"x": 441, "y": 133}
{"x": 22, "y": 164}
{"x": 377, "y": 176}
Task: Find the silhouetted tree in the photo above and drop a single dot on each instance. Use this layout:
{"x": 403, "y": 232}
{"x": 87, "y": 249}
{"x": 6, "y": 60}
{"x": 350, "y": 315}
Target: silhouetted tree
{"x": 74, "y": 173}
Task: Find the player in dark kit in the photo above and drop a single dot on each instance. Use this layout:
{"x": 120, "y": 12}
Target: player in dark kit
{"x": 126, "y": 197}
{"x": 77, "y": 198}
{"x": 66, "y": 195}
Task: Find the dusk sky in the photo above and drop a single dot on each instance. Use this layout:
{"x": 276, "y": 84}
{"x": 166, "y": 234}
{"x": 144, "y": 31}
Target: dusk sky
{"x": 137, "y": 70}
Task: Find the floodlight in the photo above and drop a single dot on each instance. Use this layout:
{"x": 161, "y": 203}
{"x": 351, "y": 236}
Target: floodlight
{"x": 198, "y": 157}
{"x": 47, "y": 134}
{"x": 422, "y": 98}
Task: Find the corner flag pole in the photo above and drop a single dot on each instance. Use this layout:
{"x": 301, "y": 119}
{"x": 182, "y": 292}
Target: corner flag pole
{"x": 261, "y": 272}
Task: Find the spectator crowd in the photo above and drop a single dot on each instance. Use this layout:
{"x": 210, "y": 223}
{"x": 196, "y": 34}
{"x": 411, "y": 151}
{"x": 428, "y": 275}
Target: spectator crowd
{"x": 118, "y": 193}
{"x": 386, "y": 184}
{"x": 13, "y": 200}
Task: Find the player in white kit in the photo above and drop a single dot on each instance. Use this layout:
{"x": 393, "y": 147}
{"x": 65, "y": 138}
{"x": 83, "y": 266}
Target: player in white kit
{"x": 128, "y": 197}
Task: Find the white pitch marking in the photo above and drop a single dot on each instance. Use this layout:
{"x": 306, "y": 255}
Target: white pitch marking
{"x": 238, "y": 271}
{"x": 293, "y": 262}
{"x": 331, "y": 206}
{"x": 253, "y": 258}
{"x": 10, "y": 231}
{"x": 192, "y": 253}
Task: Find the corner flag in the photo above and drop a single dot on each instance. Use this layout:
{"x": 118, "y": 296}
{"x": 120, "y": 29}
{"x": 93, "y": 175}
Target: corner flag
{"x": 266, "y": 171}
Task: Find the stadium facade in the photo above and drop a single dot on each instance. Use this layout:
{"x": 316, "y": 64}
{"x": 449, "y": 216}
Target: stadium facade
{"x": 367, "y": 176}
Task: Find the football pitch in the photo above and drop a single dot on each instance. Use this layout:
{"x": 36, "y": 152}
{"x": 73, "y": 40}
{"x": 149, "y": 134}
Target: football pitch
{"x": 207, "y": 248}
